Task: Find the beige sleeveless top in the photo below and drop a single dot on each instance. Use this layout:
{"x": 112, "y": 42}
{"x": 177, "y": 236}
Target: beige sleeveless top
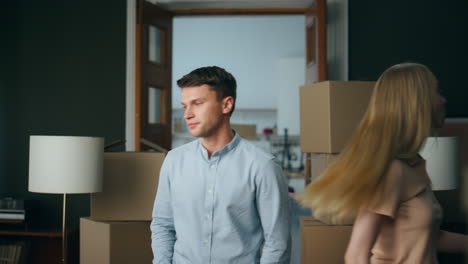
{"x": 410, "y": 233}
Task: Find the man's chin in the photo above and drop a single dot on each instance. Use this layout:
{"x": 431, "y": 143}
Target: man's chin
{"x": 195, "y": 133}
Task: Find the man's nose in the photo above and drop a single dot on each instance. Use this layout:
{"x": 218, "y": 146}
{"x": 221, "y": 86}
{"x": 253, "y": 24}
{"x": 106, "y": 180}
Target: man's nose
{"x": 188, "y": 113}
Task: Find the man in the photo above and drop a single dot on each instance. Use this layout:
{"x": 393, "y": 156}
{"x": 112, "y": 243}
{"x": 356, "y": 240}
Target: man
{"x": 220, "y": 199}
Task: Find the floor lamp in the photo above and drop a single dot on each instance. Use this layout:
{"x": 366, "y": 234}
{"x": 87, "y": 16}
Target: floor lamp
{"x": 442, "y": 162}
{"x": 65, "y": 165}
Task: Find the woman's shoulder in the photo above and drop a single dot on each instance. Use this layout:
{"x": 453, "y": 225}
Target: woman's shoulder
{"x": 401, "y": 167}
{"x": 399, "y": 173}
{"x": 395, "y": 171}
{"x": 408, "y": 176}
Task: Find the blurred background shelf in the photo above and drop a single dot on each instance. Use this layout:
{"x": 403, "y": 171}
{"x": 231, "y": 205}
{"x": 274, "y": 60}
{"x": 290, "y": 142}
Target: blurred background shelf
{"x": 42, "y": 246}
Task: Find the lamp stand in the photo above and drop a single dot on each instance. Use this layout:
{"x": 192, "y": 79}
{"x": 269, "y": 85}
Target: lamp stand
{"x": 64, "y": 233}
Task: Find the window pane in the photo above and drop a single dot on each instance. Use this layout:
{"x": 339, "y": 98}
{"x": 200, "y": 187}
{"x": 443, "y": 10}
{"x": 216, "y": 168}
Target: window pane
{"x": 154, "y": 105}
{"x": 155, "y": 44}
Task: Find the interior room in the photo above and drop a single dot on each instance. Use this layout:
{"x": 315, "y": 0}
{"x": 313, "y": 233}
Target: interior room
{"x": 72, "y": 69}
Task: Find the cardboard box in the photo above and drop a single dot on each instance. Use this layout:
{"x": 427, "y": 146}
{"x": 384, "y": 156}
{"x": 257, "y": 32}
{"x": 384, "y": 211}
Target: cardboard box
{"x": 330, "y": 111}
{"x": 322, "y": 243}
{"x": 245, "y": 131}
{"x": 115, "y": 242}
{"x": 129, "y": 188}
{"x": 319, "y": 162}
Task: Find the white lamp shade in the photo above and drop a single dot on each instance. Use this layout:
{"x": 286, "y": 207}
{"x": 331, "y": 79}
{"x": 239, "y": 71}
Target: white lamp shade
{"x": 65, "y": 164}
{"x": 442, "y": 164}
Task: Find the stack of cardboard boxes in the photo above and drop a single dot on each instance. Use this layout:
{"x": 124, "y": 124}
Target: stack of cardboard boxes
{"x": 118, "y": 229}
{"x": 322, "y": 243}
{"x": 330, "y": 111}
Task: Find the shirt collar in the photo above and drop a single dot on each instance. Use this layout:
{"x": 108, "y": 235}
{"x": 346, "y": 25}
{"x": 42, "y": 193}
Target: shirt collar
{"x": 231, "y": 145}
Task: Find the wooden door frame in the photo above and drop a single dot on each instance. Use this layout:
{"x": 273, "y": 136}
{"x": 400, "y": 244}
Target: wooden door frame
{"x": 131, "y": 78}
{"x": 320, "y": 56}
{"x": 132, "y": 128}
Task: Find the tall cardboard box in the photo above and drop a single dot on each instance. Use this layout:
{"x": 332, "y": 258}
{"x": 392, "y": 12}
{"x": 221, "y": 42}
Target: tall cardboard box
{"x": 329, "y": 113}
{"x": 115, "y": 242}
{"x": 322, "y": 243}
{"x": 319, "y": 162}
{"x": 129, "y": 188}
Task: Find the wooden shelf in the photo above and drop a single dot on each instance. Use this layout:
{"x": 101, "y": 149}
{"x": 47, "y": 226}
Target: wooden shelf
{"x": 5, "y": 221}
{"x": 45, "y": 246}
{"x": 31, "y": 233}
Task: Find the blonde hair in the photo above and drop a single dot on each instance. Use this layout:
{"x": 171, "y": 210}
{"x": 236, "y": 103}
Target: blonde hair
{"x": 395, "y": 125}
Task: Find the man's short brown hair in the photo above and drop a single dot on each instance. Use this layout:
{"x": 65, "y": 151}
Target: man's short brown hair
{"x": 221, "y": 81}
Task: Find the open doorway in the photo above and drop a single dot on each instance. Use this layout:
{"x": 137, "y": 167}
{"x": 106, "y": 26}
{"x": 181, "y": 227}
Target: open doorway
{"x": 265, "y": 53}
{"x": 132, "y": 10}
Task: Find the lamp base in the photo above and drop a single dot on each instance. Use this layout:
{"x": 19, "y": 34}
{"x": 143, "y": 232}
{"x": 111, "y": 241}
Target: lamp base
{"x": 64, "y": 229}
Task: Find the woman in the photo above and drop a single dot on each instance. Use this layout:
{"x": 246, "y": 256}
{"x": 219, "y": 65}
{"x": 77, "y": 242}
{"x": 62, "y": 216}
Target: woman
{"x": 380, "y": 181}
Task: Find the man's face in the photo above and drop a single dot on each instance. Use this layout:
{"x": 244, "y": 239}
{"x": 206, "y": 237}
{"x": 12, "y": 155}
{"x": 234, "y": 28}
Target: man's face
{"x": 204, "y": 113}
{"x": 438, "y": 115}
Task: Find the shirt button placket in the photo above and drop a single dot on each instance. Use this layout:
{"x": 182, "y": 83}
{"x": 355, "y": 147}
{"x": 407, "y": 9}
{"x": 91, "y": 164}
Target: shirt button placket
{"x": 209, "y": 214}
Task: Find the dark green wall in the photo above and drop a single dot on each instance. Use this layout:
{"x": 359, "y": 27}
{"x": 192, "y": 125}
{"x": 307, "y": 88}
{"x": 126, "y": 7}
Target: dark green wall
{"x": 65, "y": 75}
{"x": 7, "y": 70}
{"x": 382, "y": 33}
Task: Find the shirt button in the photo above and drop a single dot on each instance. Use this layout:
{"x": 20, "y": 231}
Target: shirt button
{"x": 209, "y": 190}
{"x": 212, "y": 166}
{"x": 206, "y": 241}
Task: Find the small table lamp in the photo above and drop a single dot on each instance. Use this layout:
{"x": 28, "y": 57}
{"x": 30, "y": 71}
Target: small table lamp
{"x": 65, "y": 164}
{"x": 442, "y": 162}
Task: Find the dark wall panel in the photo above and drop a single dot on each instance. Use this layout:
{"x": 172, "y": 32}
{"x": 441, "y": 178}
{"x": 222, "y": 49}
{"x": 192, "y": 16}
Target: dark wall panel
{"x": 68, "y": 79}
{"x": 382, "y": 33}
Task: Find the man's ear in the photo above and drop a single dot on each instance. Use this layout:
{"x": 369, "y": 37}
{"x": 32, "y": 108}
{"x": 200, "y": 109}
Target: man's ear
{"x": 227, "y": 104}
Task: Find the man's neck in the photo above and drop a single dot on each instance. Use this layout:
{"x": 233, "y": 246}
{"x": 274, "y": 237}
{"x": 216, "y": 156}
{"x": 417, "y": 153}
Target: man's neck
{"x": 218, "y": 141}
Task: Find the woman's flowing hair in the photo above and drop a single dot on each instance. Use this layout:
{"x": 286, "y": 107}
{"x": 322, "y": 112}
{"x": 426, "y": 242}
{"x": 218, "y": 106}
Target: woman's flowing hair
{"x": 395, "y": 125}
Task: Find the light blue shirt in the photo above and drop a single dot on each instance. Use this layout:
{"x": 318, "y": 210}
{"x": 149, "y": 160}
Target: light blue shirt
{"x": 221, "y": 209}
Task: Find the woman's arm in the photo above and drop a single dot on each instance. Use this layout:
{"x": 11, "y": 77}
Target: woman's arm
{"x": 365, "y": 230}
{"x": 452, "y": 242}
